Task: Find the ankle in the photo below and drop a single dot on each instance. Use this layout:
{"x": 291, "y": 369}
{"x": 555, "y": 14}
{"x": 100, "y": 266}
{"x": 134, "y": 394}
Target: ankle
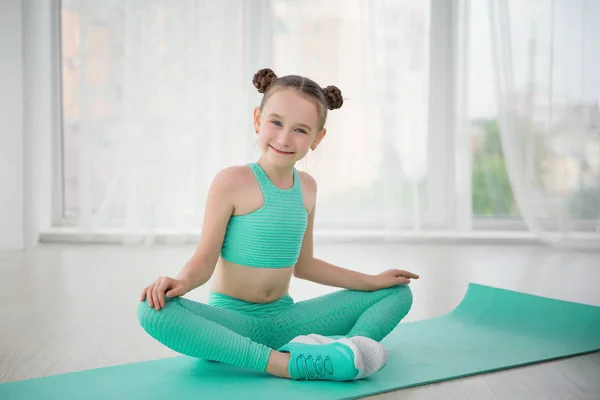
{"x": 278, "y": 364}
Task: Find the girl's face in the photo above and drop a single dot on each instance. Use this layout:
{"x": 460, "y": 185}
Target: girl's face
{"x": 287, "y": 127}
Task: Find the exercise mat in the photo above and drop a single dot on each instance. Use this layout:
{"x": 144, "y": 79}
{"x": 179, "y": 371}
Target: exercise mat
{"x": 491, "y": 329}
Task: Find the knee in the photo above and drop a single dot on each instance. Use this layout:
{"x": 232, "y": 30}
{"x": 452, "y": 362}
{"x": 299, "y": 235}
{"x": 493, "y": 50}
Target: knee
{"x": 149, "y": 316}
{"x": 405, "y": 292}
{"x": 403, "y": 298}
{"x": 145, "y": 314}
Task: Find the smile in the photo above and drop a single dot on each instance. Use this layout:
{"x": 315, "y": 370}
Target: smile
{"x": 281, "y": 152}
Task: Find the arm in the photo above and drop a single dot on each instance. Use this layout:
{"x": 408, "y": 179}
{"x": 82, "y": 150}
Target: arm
{"x": 313, "y": 269}
{"x": 319, "y": 271}
{"x": 219, "y": 207}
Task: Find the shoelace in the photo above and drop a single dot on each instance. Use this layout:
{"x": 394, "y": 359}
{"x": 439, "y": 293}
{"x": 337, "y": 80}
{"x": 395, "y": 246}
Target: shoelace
{"x": 321, "y": 367}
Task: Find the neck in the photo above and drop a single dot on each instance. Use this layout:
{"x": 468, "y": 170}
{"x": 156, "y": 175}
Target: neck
{"x": 280, "y": 176}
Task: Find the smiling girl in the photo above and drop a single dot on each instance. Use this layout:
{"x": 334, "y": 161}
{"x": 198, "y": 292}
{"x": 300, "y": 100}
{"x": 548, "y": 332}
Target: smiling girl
{"x": 257, "y": 234}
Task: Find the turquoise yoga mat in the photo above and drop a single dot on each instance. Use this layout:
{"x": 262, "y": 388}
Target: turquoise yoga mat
{"x": 491, "y": 329}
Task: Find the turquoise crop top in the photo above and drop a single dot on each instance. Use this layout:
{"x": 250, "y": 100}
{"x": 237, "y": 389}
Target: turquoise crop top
{"x": 270, "y": 237}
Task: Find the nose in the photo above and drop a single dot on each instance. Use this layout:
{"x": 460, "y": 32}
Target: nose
{"x": 283, "y": 138}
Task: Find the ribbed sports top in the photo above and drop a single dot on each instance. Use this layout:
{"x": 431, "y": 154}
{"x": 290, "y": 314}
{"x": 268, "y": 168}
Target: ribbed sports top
{"x": 270, "y": 237}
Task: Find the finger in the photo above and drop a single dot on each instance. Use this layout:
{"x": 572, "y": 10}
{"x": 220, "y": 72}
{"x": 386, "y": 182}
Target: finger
{"x": 407, "y": 274}
{"x": 162, "y": 288}
{"x": 155, "y": 297}
{"x": 402, "y": 280}
{"x": 160, "y": 294}
{"x": 145, "y": 292}
{"x": 176, "y": 291}
{"x": 149, "y": 295}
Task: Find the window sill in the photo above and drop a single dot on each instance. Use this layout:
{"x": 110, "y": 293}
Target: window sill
{"x": 65, "y": 234}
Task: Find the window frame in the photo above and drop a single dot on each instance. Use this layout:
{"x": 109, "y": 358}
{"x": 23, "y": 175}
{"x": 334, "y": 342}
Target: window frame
{"x": 447, "y": 46}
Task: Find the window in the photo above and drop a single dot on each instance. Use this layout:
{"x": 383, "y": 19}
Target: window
{"x": 157, "y": 98}
{"x": 556, "y": 111}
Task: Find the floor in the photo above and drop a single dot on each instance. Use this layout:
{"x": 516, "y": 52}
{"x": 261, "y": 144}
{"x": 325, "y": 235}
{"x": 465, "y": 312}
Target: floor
{"x": 58, "y": 299}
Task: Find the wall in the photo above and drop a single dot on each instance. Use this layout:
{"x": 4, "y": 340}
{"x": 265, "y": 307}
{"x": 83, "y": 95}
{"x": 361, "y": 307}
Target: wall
{"x": 11, "y": 126}
{"x": 28, "y": 118}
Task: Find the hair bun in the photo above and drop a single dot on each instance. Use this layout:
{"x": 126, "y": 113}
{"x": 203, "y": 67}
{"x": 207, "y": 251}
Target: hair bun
{"x": 263, "y": 79}
{"x": 334, "y": 98}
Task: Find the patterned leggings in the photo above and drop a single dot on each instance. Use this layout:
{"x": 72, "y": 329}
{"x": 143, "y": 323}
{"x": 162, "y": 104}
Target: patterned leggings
{"x": 240, "y": 333}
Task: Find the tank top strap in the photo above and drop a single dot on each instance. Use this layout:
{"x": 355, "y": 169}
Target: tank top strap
{"x": 268, "y": 187}
{"x": 261, "y": 177}
{"x": 297, "y": 185}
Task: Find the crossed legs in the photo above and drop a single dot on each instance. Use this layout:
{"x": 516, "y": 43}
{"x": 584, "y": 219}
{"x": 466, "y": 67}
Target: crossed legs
{"x": 242, "y": 339}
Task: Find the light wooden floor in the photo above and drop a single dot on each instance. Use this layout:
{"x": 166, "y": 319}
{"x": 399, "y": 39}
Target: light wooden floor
{"x": 70, "y": 308}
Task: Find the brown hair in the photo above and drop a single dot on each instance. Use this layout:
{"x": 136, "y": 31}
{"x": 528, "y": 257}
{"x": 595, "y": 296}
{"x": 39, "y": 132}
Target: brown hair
{"x": 330, "y": 97}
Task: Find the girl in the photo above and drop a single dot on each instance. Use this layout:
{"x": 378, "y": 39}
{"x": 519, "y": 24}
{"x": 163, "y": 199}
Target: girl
{"x": 258, "y": 232}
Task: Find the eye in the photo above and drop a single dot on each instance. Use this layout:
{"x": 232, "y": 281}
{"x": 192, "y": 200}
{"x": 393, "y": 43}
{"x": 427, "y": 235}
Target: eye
{"x": 276, "y": 123}
{"x": 300, "y": 130}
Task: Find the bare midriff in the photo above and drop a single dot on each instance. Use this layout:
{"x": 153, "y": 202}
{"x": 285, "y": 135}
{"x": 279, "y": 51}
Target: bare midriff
{"x": 251, "y": 284}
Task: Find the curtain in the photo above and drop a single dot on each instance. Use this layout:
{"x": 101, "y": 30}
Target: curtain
{"x": 158, "y": 97}
{"x": 546, "y": 69}
{"x": 458, "y": 116}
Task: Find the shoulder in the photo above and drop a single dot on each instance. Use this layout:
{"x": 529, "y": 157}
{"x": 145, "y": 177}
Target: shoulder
{"x": 232, "y": 179}
{"x": 308, "y": 182}
{"x": 233, "y": 174}
{"x": 309, "y": 188}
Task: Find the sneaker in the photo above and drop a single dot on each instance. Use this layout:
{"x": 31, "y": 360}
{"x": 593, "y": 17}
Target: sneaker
{"x": 340, "y": 360}
{"x": 374, "y": 356}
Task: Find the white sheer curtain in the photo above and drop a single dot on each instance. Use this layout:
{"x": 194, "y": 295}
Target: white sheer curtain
{"x": 546, "y": 62}
{"x": 157, "y": 97}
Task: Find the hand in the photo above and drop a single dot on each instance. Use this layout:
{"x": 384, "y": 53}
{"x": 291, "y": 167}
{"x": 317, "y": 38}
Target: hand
{"x": 392, "y": 277}
{"x": 156, "y": 291}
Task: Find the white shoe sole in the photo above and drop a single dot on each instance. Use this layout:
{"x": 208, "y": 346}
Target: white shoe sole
{"x": 374, "y": 355}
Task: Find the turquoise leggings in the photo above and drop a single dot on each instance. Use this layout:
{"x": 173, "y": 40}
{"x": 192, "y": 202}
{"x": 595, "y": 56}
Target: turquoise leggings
{"x": 240, "y": 333}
